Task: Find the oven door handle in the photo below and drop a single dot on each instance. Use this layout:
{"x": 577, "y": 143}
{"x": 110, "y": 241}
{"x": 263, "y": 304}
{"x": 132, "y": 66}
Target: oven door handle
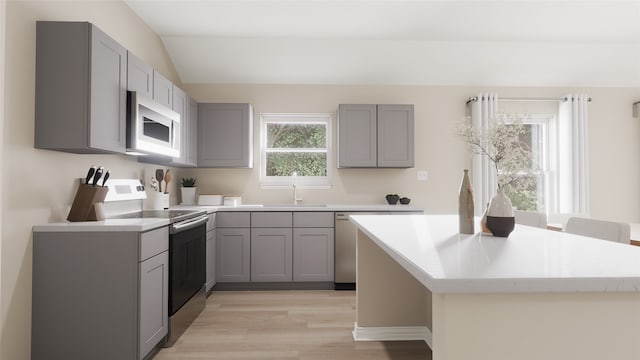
{"x": 188, "y": 224}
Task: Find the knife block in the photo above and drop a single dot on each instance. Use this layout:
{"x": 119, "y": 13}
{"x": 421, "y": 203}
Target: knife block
{"x": 87, "y": 205}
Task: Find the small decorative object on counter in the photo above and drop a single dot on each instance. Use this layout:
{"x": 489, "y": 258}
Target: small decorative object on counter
{"x": 392, "y": 199}
{"x": 466, "y": 205}
{"x": 87, "y": 204}
{"x": 405, "y": 200}
{"x": 500, "y": 219}
{"x": 188, "y": 191}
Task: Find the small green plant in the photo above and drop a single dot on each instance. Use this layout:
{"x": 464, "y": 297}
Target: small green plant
{"x": 188, "y": 182}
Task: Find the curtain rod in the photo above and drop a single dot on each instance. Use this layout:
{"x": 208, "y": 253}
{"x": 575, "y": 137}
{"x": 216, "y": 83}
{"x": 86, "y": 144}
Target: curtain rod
{"x": 475, "y": 98}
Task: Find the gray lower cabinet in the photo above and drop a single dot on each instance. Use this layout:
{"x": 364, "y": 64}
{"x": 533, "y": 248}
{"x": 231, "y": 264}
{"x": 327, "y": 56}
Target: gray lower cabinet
{"x": 81, "y": 89}
{"x": 372, "y": 135}
{"x": 271, "y": 254}
{"x": 313, "y": 246}
{"x": 233, "y": 255}
{"x": 99, "y": 295}
{"x": 233, "y": 247}
{"x": 225, "y": 135}
{"x": 313, "y": 254}
{"x": 154, "y": 275}
{"x": 211, "y": 253}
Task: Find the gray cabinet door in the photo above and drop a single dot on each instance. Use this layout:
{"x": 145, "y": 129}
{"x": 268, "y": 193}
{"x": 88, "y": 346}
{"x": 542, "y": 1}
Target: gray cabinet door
{"x": 154, "y": 285}
{"x": 271, "y": 255}
{"x": 210, "y": 260}
{"x": 313, "y": 254}
{"x": 395, "y": 136}
{"x": 225, "y": 135}
{"x": 81, "y": 79}
{"x": 139, "y": 76}
{"x": 162, "y": 90}
{"x": 108, "y": 93}
{"x": 180, "y": 104}
{"x": 233, "y": 255}
{"x": 357, "y": 136}
{"x": 192, "y": 133}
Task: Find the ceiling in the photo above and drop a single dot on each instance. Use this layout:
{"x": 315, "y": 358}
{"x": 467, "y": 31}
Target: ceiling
{"x": 399, "y": 42}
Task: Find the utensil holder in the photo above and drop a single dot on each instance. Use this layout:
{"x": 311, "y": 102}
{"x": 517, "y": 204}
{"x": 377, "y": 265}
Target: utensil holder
{"x": 156, "y": 201}
{"x": 87, "y": 205}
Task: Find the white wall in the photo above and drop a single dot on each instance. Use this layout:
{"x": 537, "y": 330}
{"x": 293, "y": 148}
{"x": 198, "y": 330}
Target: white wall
{"x": 613, "y": 139}
{"x": 38, "y": 185}
{"x": 3, "y": 6}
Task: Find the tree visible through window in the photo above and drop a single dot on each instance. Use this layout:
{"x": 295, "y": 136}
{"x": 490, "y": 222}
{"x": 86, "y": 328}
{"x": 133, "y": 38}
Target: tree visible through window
{"x": 533, "y": 192}
{"x": 295, "y": 143}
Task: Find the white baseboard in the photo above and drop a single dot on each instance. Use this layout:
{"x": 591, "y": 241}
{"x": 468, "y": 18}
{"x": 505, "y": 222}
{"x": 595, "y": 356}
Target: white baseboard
{"x": 393, "y": 333}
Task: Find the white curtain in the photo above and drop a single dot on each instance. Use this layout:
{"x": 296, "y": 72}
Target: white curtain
{"x": 483, "y": 173}
{"x": 573, "y": 155}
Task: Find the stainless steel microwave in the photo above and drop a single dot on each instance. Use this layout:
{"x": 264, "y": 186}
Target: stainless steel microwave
{"x": 152, "y": 128}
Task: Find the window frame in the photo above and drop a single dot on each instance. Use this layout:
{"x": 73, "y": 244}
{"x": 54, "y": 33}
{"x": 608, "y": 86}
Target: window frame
{"x": 302, "y": 182}
{"x": 548, "y": 161}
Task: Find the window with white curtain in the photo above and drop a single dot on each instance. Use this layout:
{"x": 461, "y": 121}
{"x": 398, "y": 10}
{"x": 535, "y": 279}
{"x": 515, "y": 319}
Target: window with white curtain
{"x": 540, "y": 136}
{"x": 297, "y": 143}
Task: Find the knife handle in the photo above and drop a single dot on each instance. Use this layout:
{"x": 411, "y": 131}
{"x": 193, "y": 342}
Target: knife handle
{"x": 97, "y": 176}
{"x": 90, "y": 173}
{"x": 105, "y": 178}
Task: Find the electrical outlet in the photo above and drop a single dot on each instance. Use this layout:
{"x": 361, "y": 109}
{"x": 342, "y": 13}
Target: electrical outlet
{"x": 423, "y": 175}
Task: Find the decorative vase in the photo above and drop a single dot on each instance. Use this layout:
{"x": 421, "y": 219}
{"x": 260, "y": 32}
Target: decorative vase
{"x": 466, "y": 205}
{"x": 500, "y": 219}
{"x": 188, "y": 195}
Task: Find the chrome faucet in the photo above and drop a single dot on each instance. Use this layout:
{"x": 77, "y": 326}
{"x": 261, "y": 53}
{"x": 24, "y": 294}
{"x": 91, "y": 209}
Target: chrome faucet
{"x": 296, "y": 200}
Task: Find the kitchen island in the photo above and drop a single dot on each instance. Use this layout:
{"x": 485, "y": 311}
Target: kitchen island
{"x": 538, "y": 294}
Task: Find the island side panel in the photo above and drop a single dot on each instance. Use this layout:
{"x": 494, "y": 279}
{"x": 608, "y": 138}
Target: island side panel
{"x": 386, "y": 294}
{"x": 585, "y": 326}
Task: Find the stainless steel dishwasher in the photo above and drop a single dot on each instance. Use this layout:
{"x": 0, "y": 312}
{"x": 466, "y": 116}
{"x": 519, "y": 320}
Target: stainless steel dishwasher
{"x": 345, "y": 261}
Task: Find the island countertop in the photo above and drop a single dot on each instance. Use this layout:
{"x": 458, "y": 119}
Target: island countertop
{"x": 530, "y": 260}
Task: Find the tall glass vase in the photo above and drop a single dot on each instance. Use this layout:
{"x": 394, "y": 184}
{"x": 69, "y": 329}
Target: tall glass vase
{"x": 466, "y": 205}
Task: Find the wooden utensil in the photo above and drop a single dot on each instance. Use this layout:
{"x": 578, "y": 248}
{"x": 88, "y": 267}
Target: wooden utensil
{"x": 159, "y": 177}
{"x": 167, "y": 178}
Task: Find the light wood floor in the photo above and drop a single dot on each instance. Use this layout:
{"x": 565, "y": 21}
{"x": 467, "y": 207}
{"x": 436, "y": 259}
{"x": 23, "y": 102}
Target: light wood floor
{"x": 305, "y": 325}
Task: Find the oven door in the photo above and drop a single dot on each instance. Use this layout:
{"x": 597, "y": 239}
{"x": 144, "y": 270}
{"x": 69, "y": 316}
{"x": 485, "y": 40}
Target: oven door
{"x": 187, "y": 265}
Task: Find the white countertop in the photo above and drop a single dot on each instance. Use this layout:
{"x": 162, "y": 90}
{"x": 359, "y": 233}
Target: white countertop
{"x": 302, "y": 207}
{"x": 152, "y": 223}
{"x": 529, "y": 260}
{"x": 138, "y": 225}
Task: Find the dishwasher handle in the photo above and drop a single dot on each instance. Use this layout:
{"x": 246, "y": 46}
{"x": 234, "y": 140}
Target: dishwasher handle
{"x": 342, "y": 216}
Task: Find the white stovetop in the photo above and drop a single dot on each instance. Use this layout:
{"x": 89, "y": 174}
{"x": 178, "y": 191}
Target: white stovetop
{"x": 529, "y": 260}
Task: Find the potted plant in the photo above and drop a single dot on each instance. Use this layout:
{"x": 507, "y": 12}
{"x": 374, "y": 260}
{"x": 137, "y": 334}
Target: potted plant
{"x": 188, "y": 191}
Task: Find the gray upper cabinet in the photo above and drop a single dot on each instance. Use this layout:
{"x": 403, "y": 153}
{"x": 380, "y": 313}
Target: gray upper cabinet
{"x": 192, "y": 133}
{"x": 375, "y": 136}
{"x": 395, "y": 136}
{"x": 180, "y": 105}
{"x": 357, "y": 136}
{"x": 139, "y": 76}
{"x": 225, "y": 135}
{"x": 162, "y": 90}
{"x": 81, "y": 77}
